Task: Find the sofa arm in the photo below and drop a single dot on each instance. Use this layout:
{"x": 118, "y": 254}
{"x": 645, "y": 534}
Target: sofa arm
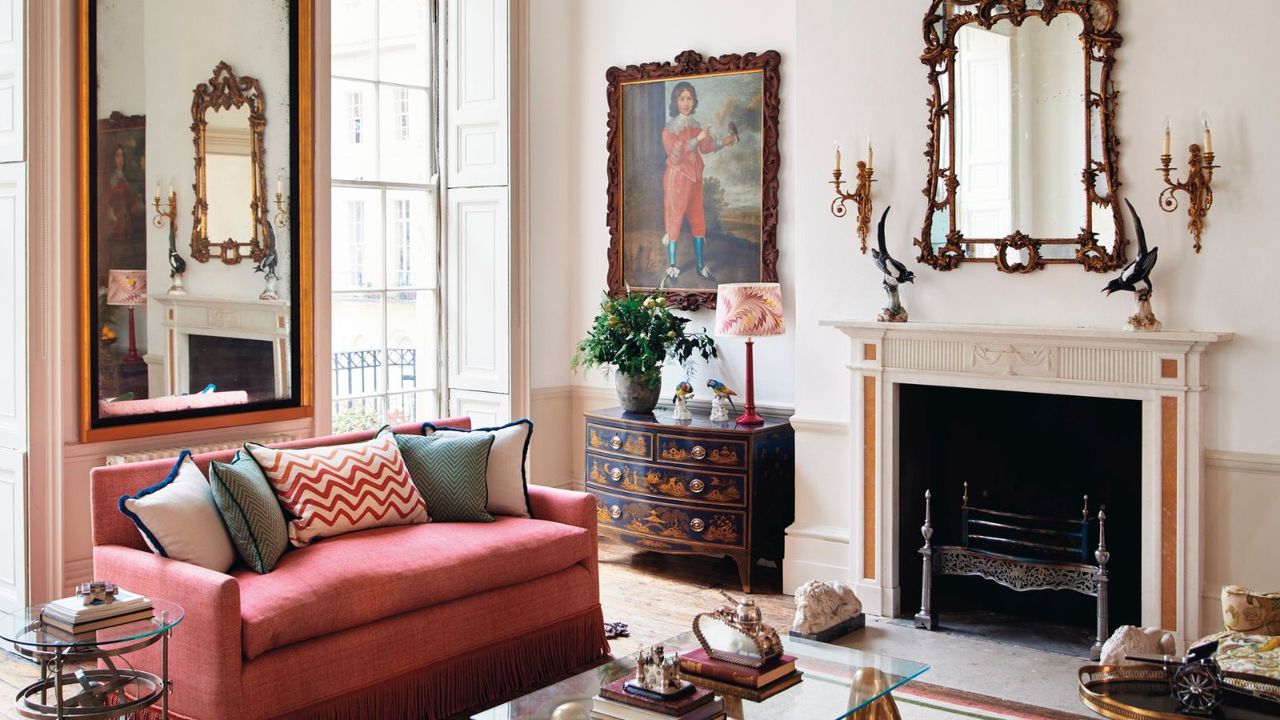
{"x": 205, "y": 651}
{"x": 570, "y": 508}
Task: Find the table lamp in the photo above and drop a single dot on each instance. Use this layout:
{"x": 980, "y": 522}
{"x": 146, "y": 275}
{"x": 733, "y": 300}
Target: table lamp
{"x": 749, "y": 310}
{"x": 128, "y": 288}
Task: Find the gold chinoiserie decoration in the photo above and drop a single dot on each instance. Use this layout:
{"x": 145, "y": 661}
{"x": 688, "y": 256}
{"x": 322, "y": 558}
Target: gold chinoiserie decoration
{"x": 723, "y": 456}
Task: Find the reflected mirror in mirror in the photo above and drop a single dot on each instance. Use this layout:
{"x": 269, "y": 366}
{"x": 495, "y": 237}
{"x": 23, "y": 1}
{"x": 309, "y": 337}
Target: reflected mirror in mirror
{"x": 194, "y": 313}
{"x": 1020, "y": 132}
{"x": 727, "y": 640}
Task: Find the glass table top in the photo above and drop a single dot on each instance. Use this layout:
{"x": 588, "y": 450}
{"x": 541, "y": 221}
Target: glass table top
{"x": 25, "y": 628}
{"x": 826, "y": 691}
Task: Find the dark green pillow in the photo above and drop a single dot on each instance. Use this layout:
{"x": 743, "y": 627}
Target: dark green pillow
{"x": 451, "y": 473}
{"x": 250, "y": 511}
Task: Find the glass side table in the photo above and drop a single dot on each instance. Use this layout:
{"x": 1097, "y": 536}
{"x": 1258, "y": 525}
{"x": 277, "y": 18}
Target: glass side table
{"x": 96, "y": 693}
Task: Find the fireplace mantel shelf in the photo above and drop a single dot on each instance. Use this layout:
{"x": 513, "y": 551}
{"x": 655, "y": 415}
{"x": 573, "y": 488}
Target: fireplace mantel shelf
{"x": 951, "y": 331}
{"x": 219, "y": 302}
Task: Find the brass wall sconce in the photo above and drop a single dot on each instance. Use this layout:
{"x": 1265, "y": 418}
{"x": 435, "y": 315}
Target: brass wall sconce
{"x": 169, "y": 215}
{"x": 281, "y": 218}
{"x": 1197, "y": 186}
{"x": 861, "y": 195}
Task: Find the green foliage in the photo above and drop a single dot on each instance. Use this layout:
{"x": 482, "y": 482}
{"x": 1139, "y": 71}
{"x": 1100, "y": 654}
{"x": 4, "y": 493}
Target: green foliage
{"x": 636, "y": 334}
{"x": 357, "y": 417}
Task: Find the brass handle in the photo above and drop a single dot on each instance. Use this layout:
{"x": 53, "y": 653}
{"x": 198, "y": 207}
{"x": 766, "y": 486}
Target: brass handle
{"x": 615, "y": 442}
{"x": 615, "y": 512}
{"x": 697, "y": 525}
{"x": 616, "y": 474}
{"x": 697, "y": 485}
{"x": 699, "y": 452}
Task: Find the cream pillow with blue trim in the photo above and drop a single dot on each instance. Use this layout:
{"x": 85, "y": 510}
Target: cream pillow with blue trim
{"x": 178, "y": 518}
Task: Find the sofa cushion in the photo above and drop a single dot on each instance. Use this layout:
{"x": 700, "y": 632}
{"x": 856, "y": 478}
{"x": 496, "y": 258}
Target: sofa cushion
{"x": 358, "y": 578}
{"x": 250, "y": 510}
{"x": 178, "y": 518}
{"x": 335, "y": 489}
{"x": 508, "y": 457}
{"x": 449, "y": 471}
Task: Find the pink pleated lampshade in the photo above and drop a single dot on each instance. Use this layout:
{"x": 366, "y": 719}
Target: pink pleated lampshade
{"x": 749, "y": 310}
{"x": 127, "y": 287}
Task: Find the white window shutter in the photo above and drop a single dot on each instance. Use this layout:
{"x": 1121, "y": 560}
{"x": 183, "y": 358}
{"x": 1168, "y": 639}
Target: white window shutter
{"x": 12, "y": 103}
{"x": 478, "y": 93}
{"x": 13, "y": 306}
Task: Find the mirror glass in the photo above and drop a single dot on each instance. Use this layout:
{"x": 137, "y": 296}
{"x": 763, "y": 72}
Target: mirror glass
{"x": 193, "y": 303}
{"x": 1023, "y": 113}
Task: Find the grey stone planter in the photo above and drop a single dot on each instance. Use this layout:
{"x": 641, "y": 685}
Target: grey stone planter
{"x": 635, "y": 393}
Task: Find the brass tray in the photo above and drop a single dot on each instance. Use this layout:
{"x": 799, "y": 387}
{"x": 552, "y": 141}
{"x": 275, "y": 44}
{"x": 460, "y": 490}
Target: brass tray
{"x": 1141, "y": 692}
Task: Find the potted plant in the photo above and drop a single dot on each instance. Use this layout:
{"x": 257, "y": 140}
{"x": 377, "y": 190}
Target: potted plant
{"x": 634, "y": 336}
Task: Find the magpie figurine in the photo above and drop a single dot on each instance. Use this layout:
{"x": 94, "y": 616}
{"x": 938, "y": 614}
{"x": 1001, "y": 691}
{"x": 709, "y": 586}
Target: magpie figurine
{"x": 895, "y": 273}
{"x": 177, "y": 265}
{"x": 1142, "y": 265}
{"x": 268, "y": 263}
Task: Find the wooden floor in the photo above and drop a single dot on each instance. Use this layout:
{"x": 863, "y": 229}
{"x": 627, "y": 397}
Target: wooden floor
{"x": 655, "y": 594}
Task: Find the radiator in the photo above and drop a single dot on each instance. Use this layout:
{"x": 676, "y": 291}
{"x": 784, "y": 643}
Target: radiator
{"x": 172, "y": 452}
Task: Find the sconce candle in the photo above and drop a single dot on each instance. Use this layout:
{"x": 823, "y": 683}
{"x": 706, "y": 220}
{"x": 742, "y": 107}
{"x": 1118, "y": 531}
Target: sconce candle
{"x": 1168, "y": 137}
{"x": 837, "y": 157}
{"x": 1208, "y": 135}
{"x": 871, "y": 154}
{"x": 1197, "y": 186}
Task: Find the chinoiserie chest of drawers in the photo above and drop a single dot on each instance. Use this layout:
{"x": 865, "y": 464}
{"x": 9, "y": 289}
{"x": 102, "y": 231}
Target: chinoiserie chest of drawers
{"x": 692, "y": 486}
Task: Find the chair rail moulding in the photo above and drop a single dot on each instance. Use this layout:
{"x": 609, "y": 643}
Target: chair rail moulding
{"x": 1165, "y": 371}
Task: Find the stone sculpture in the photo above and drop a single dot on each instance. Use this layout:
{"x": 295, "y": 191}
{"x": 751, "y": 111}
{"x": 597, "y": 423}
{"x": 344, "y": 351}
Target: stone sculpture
{"x": 825, "y": 610}
{"x": 1128, "y": 640}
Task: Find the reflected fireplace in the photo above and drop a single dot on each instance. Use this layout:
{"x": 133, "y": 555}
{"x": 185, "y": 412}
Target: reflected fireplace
{"x": 232, "y": 364}
{"x": 1032, "y": 454}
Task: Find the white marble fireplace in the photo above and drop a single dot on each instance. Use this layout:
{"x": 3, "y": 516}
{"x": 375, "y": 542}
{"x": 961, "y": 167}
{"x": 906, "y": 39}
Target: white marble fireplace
{"x": 247, "y": 319}
{"x": 1165, "y": 371}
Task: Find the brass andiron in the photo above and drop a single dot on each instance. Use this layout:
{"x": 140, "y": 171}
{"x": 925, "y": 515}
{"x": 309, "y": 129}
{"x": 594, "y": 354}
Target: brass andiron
{"x": 861, "y": 195}
{"x": 1197, "y": 186}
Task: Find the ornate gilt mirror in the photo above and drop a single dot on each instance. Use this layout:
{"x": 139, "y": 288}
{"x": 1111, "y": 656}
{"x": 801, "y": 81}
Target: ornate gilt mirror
{"x": 176, "y": 335}
{"x": 1023, "y": 159}
{"x": 229, "y": 212}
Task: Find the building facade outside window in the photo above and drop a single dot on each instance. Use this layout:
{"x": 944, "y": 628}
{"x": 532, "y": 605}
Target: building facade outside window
{"x": 387, "y": 354}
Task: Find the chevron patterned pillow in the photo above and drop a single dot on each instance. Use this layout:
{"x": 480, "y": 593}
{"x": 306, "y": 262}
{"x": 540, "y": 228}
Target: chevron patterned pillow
{"x": 342, "y": 488}
{"x": 450, "y": 471}
{"x": 250, "y": 511}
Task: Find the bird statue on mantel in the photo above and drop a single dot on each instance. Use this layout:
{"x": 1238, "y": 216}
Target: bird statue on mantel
{"x": 268, "y": 265}
{"x": 1138, "y": 271}
{"x": 895, "y": 274}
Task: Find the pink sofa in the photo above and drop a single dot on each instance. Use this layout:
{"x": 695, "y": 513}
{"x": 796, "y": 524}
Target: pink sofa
{"x": 412, "y": 621}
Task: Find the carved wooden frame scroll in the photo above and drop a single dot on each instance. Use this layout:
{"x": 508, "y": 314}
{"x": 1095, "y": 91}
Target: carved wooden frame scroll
{"x": 1100, "y": 41}
{"x": 691, "y": 63}
{"x": 225, "y": 91}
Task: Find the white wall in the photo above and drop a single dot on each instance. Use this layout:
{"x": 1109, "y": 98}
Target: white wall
{"x": 572, "y": 44}
{"x": 850, "y": 70}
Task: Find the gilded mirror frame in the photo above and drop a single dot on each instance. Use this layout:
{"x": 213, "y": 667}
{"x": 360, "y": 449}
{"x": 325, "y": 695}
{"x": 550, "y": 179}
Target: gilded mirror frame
{"x": 299, "y": 403}
{"x": 227, "y": 91}
{"x": 1100, "y": 41}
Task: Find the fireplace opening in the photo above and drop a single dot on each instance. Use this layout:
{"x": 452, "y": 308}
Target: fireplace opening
{"x": 1028, "y": 453}
{"x": 232, "y": 364}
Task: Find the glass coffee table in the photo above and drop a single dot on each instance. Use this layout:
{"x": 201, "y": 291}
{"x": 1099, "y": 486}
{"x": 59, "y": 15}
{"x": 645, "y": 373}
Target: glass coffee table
{"x": 837, "y": 682}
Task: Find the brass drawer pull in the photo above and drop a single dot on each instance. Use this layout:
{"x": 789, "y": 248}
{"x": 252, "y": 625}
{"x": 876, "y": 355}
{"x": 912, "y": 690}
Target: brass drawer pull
{"x": 615, "y": 442}
{"x": 699, "y": 452}
{"x": 697, "y": 525}
{"x": 615, "y": 512}
{"x": 696, "y": 485}
{"x": 616, "y": 474}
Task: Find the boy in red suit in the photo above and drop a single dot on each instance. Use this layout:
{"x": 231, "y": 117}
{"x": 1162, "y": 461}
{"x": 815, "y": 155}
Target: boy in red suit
{"x": 686, "y": 141}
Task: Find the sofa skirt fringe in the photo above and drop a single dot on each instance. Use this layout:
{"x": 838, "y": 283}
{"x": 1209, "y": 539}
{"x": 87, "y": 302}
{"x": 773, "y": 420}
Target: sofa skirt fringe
{"x": 468, "y": 680}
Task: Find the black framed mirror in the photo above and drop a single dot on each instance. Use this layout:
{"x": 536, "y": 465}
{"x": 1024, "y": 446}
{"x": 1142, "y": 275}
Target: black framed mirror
{"x": 179, "y": 335}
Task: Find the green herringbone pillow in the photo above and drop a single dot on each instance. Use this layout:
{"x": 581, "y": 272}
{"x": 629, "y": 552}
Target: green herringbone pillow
{"x": 450, "y": 471}
{"x": 250, "y": 511}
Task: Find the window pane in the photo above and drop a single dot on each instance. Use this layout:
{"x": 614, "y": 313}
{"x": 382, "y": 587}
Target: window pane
{"x": 411, "y": 239}
{"x": 411, "y": 407}
{"x": 354, "y": 27}
{"x": 406, "y": 135}
{"x": 356, "y": 254}
{"x": 404, "y": 41}
{"x": 412, "y": 340}
{"x": 359, "y": 362}
{"x": 355, "y": 130}
{"x": 362, "y": 414}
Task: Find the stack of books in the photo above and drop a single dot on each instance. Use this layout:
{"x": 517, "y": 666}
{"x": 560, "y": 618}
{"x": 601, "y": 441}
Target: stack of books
{"x": 73, "y": 616}
{"x": 741, "y": 681}
{"x": 615, "y": 703}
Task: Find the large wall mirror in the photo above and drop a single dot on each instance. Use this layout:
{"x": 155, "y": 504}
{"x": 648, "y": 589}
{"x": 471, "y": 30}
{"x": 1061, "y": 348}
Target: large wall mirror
{"x": 1023, "y": 159}
{"x": 195, "y": 268}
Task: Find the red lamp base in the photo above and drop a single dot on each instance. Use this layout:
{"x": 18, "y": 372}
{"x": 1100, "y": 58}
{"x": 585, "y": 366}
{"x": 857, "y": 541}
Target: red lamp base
{"x": 749, "y": 416}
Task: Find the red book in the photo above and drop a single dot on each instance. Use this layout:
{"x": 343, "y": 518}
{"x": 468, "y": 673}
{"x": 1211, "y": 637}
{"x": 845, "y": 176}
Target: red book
{"x": 678, "y": 707}
{"x": 697, "y": 662}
